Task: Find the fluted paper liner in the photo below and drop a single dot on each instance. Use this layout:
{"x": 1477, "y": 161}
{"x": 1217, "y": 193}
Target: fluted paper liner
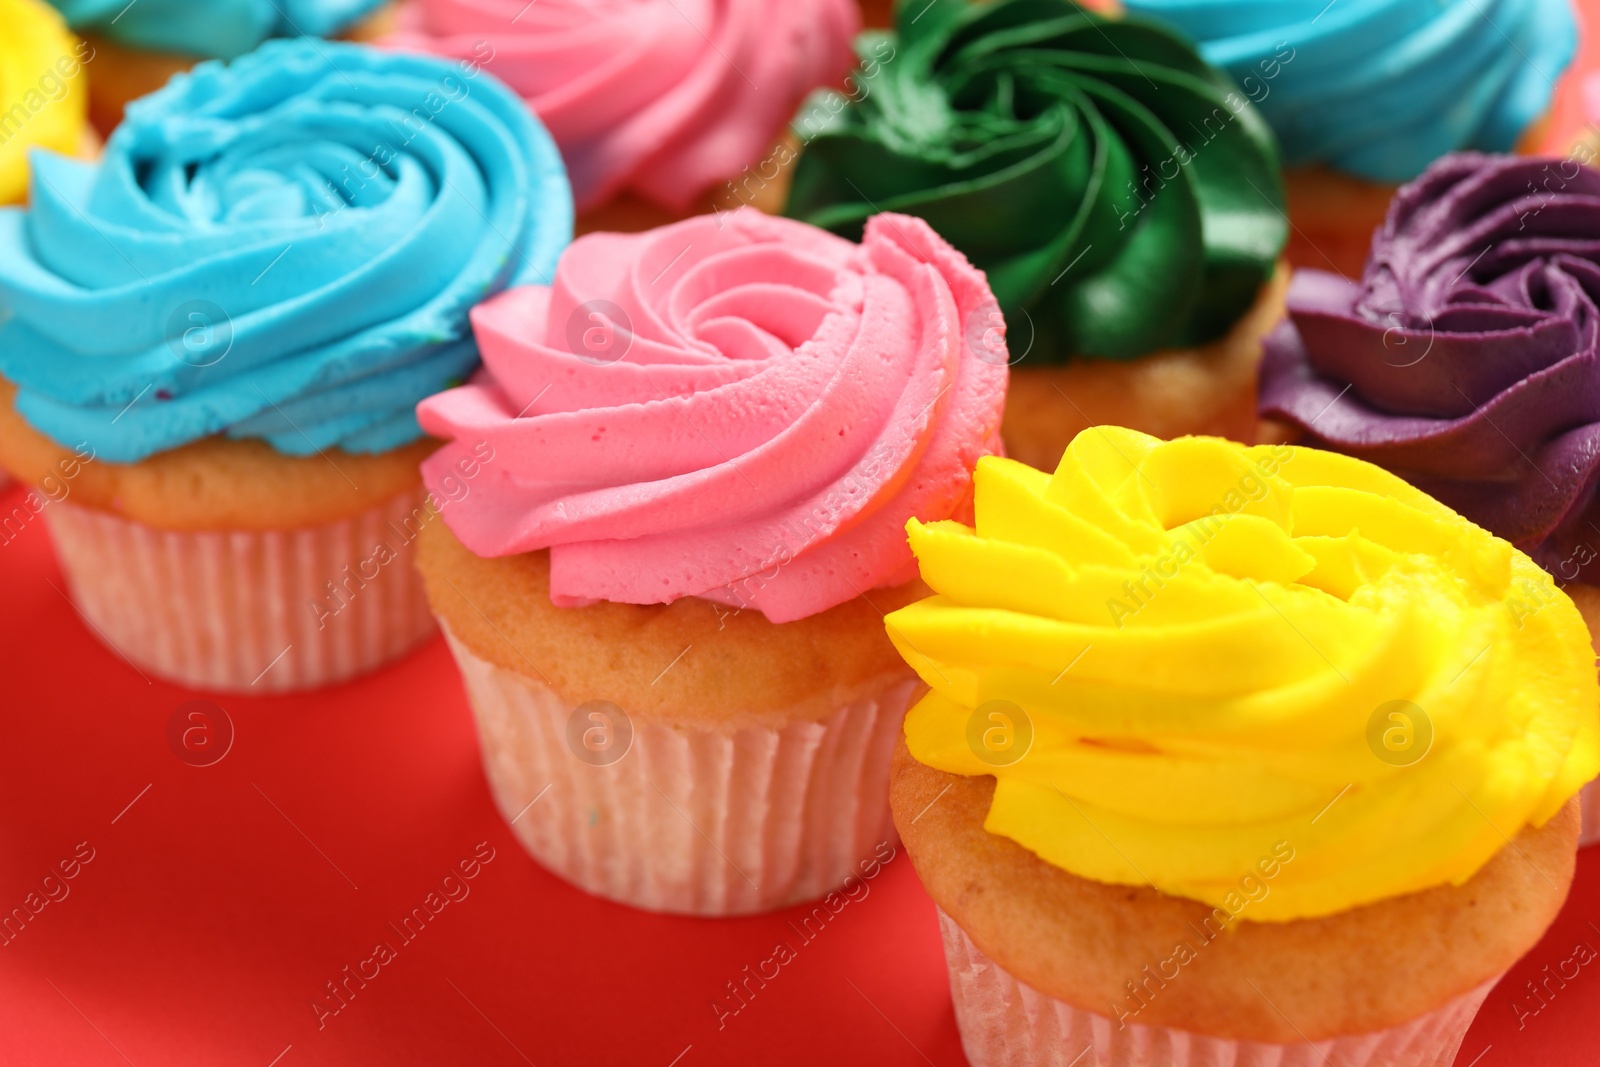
{"x": 694, "y": 822}
{"x": 238, "y": 610}
{"x": 1005, "y": 1023}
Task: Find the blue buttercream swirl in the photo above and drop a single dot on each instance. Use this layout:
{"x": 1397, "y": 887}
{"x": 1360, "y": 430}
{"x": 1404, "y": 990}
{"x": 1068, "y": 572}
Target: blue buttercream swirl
{"x": 1381, "y": 88}
{"x": 285, "y": 247}
{"x": 212, "y": 29}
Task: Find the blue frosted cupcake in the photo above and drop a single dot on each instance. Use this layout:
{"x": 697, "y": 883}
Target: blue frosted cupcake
{"x": 138, "y": 47}
{"x": 1365, "y": 94}
{"x": 214, "y": 340}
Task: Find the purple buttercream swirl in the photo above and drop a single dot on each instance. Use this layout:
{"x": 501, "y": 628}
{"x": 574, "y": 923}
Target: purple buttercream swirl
{"x": 1465, "y": 359}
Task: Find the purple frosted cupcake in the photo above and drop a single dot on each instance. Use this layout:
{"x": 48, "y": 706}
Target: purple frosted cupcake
{"x": 1465, "y": 359}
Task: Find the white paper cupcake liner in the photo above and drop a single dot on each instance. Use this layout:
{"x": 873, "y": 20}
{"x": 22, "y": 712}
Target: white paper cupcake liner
{"x": 238, "y": 610}
{"x": 1005, "y": 1023}
{"x": 693, "y": 822}
{"x": 1589, "y": 804}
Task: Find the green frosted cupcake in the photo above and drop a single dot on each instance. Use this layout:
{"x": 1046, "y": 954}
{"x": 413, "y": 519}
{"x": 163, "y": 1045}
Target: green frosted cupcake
{"x": 1123, "y": 197}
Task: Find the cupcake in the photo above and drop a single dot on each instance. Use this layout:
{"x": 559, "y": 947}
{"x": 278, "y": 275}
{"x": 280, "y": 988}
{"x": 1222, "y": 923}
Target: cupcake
{"x": 665, "y": 590}
{"x": 1465, "y": 359}
{"x": 1364, "y": 96}
{"x": 139, "y": 46}
{"x": 658, "y": 112}
{"x": 216, "y": 337}
{"x": 41, "y": 78}
{"x": 41, "y": 68}
{"x": 1122, "y": 196}
{"x": 1234, "y": 755}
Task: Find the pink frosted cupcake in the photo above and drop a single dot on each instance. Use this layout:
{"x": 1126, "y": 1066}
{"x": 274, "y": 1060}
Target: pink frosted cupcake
{"x": 655, "y": 104}
{"x": 665, "y": 589}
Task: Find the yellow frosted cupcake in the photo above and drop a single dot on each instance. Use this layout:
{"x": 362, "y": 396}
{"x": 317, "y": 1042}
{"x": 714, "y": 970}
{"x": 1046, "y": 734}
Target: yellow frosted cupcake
{"x": 42, "y": 99}
{"x": 1240, "y": 755}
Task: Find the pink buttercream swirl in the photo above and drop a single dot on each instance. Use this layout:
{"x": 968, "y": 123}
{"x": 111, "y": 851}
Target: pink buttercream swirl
{"x": 746, "y": 412}
{"x": 664, "y": 97}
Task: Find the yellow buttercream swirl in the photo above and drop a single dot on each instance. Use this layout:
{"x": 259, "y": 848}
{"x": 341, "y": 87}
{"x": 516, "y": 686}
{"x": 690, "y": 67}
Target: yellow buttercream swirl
{"x": 1229, "y": 655}
{"x": 43, "y": 103}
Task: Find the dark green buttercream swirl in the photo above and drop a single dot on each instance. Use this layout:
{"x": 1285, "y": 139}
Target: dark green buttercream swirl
{"x": 1115, "y": 188}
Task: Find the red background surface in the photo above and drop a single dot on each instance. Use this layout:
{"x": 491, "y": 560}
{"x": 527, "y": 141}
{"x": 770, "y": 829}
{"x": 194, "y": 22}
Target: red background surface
{"x": 221, "y": 899}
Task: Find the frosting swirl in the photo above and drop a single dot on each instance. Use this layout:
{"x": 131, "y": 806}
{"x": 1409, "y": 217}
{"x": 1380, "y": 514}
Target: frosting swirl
{"x": 1117, "y": 191}
{"x": 212, "y": 29}
{"x": 284, "y": 248}
{"x": 665, "y": 98}
{"x": 42, "y": 100}
{"x": 1381, "y": 88}
{"x": 1221, "y": 650}
{"x": 1466, "y": 358}
{"x": 745, "y": 411}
